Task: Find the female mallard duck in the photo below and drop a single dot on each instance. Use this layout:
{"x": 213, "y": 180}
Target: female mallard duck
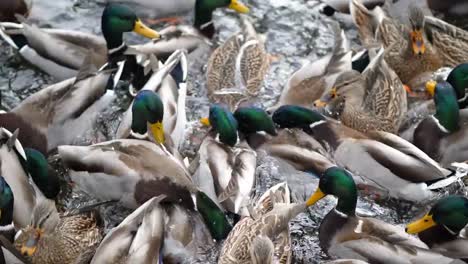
{"x": 314, "y": 78}
{"x": 375, "y": 100}
{"x": 342, "y": 234}
{"x": 132, "y": 171}
{"x": 159, "y": 107}
{"x": 10, "y": 8}
{"x": 442, "y": 227}
{"x": 51, "y": 238}
{"x": 440, "y": 135}
{"x": 384, "y": 160}
{"x": 264, "y": 236}
{"x": 137, "y": 239}
{"x": 411, "y": 53}
{"x": 63, "y": 113}
{"x": 236, "y": 69}
{"x": 61, "y": 53}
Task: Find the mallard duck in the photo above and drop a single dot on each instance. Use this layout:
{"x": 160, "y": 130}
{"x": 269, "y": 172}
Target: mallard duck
{"x": 410, "y": 52}
{"x": 51, "y": 238}
{"x": 443, "y": 226}
{"x": 314, "y": 78}
{"x": 132, "y": 171}
{"x": 440, "y": 135}
{"x": 164, "y": 111}
{"x": 236, "y": 69}
{"x": 63, "y": 113}
{"x": 61, "y": 53}
{"x": 458, "y": 79}
{"x": 373, "y": 100}
{"x": 226, "y": 174}
{"x": 10, "y": 8}
{"x": 385, "y": 161}
{"x": 264, "y": 236}
{"x": 137, "y": 239}
{"x": 22, "y": 163}
{"x": 342, "y": 234}
{"x": 202, "y": 9}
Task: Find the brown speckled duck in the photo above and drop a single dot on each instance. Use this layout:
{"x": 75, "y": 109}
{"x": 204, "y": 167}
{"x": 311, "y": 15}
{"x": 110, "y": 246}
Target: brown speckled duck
{"x": 237, "y": 68}
{"x": 373, "y": 100}
{"x": 51, "y": 238}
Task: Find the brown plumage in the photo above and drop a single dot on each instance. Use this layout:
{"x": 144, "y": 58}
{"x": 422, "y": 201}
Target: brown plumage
{"x": 58, "y": 239}
{"x": 237, "y": 68}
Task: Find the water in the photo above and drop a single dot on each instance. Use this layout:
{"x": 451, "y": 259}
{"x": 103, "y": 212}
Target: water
{"x": 295, "y": 32}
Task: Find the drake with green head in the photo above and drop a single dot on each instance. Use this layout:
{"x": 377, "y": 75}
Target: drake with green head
{"x": 442, "y": 227}
{"x": 61, "y": 53}
{"x": 148, "y": 111}
{"x": 440, "y": 135}
{"x": 343, "y": 234}
{"x": 43, "y": 176}
{"x": 223, "y": 123}
{"x": 389, "y": 163}
{"x": 458, "y": 78}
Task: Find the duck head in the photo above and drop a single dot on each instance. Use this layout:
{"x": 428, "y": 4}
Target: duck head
{"x": 254, "y": 119}
{"x": 339, "y": 183}
{"x": 45, "y": 179}
{"x": 147, "y": 114}
{"x": 293, "y": 116}
{"x": 416, "y": 17}
{"x": 447, "y": 110}
{"x": 6, "y": 203}
{"x": 117, "y": 19}
{"x": 450, "y": 212}
{"x": 223, "y": 123}
{"x": 458, "y": 78}
{"x": 204, "y": 13}
{"x": 348, "y": 88}
{"x": 45, "y": 219}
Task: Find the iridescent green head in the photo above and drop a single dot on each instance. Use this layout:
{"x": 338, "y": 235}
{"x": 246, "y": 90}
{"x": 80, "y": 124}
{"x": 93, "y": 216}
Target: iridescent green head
{"x": 204, "y": 9}
{"x": 148, "y": 111}
{"x": 339, "y": 183}
{"x": 254, "y": 119}
{"x": 447, "y": 110}
{"x": 293, "y": 116}
{"x": 6, "y": 203}
{"x": 223, "y": 123}
{"x": 117, "y": 19}
{"x": 458, "y": 78}
{"x": 45, "y": 179}
{"x": 450, "y": 212}
{"x": 214, "y": 218}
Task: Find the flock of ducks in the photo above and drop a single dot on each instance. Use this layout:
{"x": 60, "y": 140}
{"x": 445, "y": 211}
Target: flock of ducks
{"x": 344, "y": 117}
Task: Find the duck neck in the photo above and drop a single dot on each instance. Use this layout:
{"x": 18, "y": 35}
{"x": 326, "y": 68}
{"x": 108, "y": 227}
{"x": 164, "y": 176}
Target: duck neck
{"x": 347, "y": 203}
{"x": 437, "y": 234}
{"x": 447, "y": 113}
{"x": 204, "y": 17}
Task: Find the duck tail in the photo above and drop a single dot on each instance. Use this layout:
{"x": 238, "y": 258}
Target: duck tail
{"x": 214, "y": 218}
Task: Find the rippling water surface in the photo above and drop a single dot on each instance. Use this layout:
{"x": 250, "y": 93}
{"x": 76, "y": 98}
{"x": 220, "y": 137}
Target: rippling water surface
{"x": 294, "y": 31}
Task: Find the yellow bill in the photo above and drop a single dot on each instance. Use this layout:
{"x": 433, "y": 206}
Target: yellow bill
{"x": 315, "y": 197}
{"x": 430, "y": 87}
{"x": 420, "y": 225}
{"x": 205, "y": 121}
{"x": 239, "y": 7}
{"x": 144, "y": 30}
{"x": 418, "y": 42}
{"x": 158, "y": 132}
